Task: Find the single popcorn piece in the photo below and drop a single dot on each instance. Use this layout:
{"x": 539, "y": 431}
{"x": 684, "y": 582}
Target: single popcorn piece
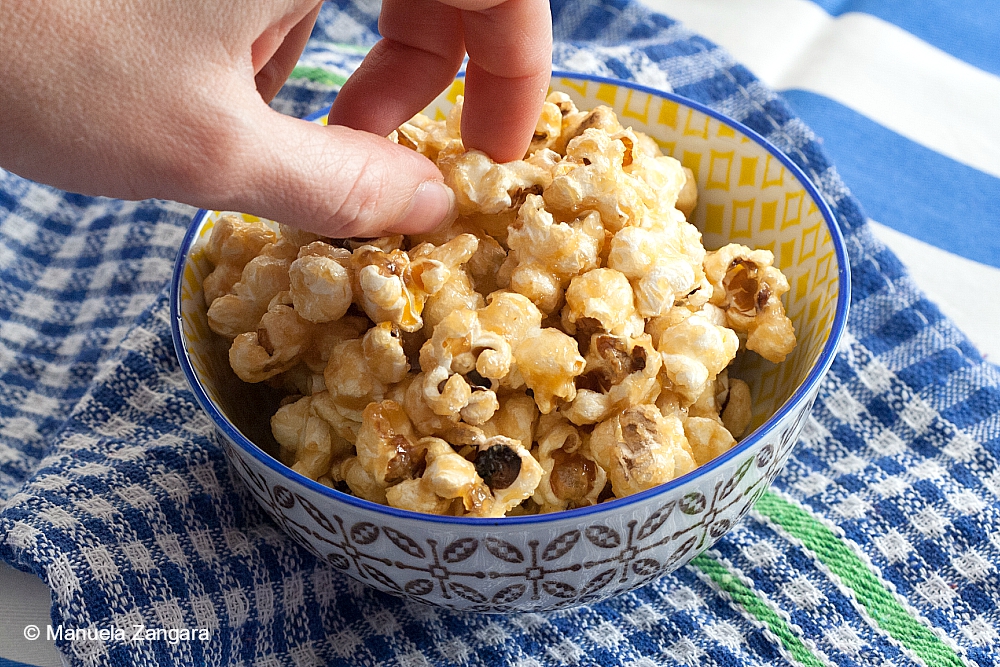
{"x": 461, "y": 344}
{"x": 456, "y": 294}
{"x": 361, "y": 482}
{"x": 511, "y": 473}
{"x": 325, "y": 337}
{"x": 687, "y": 199}
{"x": 447, "y": 477}
{"x": 545, "y": 254}
{"x": 503, "y": 475}
{"x": 576, "y": 122}
{"x": 736, "y": 413}
{"x": 387, "y": 445}
{"x": 663, "y": 263}
{"x": 749, "y": 288}
{"x": 484, "y": 266}
{"x": 620, "y": 373}
{"x": 516, "y": 418}
{"x": 350, "y": 380}
{"x": 425, "y": 420}
{"x": 383, "y": 349}
{"x": 487, "y": 187}
{"x": 548, "y": 129}
{"x": 549, "y": 362}
{"x": 262, "y": 279}
{"x": 381, "y": 284}
{"x": 593, "y": 178}
{"x": 708, "y": 438}
{"x": 393, "y": 286}
{"x": 429, "y": 137}
{"x": 320, "y": 282}
{"x": 460, "y": 356}
{"x": 510, "y": 315}
{"x": 640, "y": 448}
{"x": 309, "y": 445}
{"x": 457, "y": 290}
{"x": 604, "y": 295}
{"x": 232, "y": 244}
{"x": 570, "y": 475}
{"x": 693, "y": 352}
{"x": 277, "y": 344}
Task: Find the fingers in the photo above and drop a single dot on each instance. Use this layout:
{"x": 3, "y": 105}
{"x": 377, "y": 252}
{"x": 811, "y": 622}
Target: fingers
{"x": 418, "y": 57}
{"x": 510, "y": 62}
{"x": 272, "y": 75}
{"x": 510, "y": 59}
{"x": 334, "y": 181}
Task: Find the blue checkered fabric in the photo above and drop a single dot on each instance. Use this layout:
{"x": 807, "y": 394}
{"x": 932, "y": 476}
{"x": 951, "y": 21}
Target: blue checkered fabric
{"x": 116, "y": 494}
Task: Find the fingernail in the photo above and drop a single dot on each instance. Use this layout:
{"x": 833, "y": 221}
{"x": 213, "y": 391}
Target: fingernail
{"x": 432, "y": 205}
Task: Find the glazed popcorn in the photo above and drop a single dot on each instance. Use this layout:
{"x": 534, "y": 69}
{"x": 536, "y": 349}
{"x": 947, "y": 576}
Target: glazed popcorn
{"x": 567, "y": 339}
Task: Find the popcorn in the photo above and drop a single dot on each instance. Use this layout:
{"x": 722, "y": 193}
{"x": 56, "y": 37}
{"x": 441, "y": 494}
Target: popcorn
{"x": 382, "y": 285}
{"x": 233, "y": 243}
{"x": 545, "y": 254}
{"x": 429, "y": 137}
{"x": 262, "y": 279}
{"x": 308, "y": 443}
{"x": 593, "y": 178}
{"x": 425, "y": 420}
{"x": 320, "y": 283}
{"x": 693, "y": 352}
{"x": 361, "y": 482}
{"x": 571, "y": 477}
{"x": 549, "y": 362}
{"x": 565, "y": 339}
{"x": 603, "y": 295}
{"x": 516, "y": 417}
{"x": 620, "y": 373}
{"x": 383, "y": 350}
{"x": 749, "y": 288}
{"x": 462, "y": 344}
{"x": 511, "y": 473}
{"x": 640, "y": 448}
{"x": 484, "y": 186}
{"x": 350, "y": 380}
{"x": 281, "y": 337}
{"x": 708, "y": 438}
{"x": 663, "y": 263}
{"x": 736, "y": 413}
{"x": 386, "y": 444}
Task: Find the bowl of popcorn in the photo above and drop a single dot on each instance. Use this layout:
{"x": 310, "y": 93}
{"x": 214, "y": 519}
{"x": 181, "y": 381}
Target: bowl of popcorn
{"x": 577, "y": 386}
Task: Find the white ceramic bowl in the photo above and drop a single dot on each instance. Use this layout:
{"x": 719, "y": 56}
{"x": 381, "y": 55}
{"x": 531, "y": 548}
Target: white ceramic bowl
{"x": 750, "y": 193}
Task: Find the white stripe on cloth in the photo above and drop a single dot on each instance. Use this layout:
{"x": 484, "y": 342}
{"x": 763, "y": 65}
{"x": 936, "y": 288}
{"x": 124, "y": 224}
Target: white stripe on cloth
{"x": 863, "y": 62}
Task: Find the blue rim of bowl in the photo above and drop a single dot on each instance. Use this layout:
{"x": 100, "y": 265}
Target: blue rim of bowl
{"x": 820, "y": 367}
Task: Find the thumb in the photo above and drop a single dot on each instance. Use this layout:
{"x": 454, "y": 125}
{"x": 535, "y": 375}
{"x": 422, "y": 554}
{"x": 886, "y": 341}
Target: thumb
{"x": 334, "y": 180}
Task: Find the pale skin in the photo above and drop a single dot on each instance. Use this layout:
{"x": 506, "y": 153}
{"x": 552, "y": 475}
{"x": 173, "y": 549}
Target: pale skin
{"x": 168, "y": 99}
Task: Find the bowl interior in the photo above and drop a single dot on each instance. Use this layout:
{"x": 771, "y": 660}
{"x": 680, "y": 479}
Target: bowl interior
{"x": 747, "y": 193}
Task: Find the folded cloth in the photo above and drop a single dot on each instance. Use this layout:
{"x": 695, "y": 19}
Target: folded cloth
{"x": 876, "y": 546}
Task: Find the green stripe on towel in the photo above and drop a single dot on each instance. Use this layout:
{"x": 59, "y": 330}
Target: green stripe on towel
{"x": 757, "y": 608}
{"x": 318, "y": 75}
{"x": 881, "y": 604}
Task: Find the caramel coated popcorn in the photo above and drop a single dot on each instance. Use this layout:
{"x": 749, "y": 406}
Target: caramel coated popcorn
{"x": 566, "y": 340}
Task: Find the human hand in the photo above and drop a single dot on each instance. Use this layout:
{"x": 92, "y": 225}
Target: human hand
{"x": 168, "y": 99}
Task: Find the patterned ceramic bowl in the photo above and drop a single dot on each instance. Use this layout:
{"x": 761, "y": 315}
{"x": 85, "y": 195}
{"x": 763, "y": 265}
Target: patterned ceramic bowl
{"x": 750, "y": 193}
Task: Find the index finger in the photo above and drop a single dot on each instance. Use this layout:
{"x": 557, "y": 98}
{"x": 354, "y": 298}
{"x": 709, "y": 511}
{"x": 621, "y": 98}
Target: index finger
{"x": 510, "y": 63}
{"x": 424, "y": 41}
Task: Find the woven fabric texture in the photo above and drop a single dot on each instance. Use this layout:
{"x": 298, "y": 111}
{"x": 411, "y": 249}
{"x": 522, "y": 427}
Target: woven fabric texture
{"x": 877, "y": 545}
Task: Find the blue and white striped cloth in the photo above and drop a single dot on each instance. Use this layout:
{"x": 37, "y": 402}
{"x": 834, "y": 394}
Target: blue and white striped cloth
{"x": 877, "y": 546}
{"x": 905, "y": 96}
